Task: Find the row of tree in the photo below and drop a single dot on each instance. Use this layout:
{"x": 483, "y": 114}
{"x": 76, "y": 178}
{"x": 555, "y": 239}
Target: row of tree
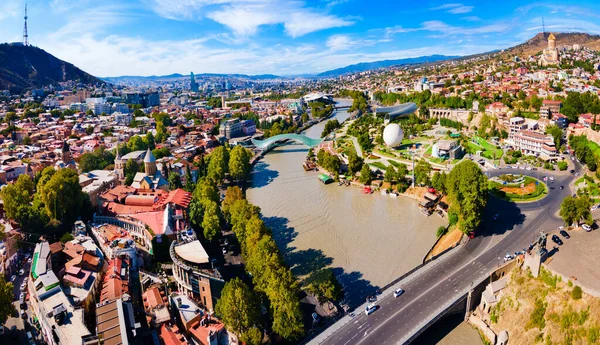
{"x": 582, "y": 149}
{"x": 273, "y": 282}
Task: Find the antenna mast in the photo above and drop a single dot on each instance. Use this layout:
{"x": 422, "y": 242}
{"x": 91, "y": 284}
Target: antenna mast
{"x": 543, "y": 27}
{"x": 25, "y": 36}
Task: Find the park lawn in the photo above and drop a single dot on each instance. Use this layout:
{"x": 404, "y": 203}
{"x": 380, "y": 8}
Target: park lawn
{"x": 594, "y": 147}
{"x": 395, "y": 164}
{"x": 429, "y": 149}
{"x": 378, "y": 165}
{"x": 488, "y": 147}
{"x": 514, "y": 192}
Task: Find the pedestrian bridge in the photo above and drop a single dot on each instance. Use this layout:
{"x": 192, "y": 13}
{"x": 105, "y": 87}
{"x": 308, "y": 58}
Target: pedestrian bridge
{"x": 272, "y": 141}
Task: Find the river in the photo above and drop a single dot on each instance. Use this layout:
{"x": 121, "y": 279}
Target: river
{"x": 368, "y": 240}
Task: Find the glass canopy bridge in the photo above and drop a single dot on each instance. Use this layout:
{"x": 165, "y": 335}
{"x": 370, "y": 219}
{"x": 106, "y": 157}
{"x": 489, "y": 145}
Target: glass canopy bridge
{"x": 401, "y": 110}
{"x": 273, "y": 141}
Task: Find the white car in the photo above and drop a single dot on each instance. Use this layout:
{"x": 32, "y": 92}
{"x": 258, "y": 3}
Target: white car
{"x": 398, "y": 292}
{"x": 551, "y": 178}
{"x": 21, "y": 272}
{"x": 370, "y": 309}
{"x": 13, "y": 278}
{"x": 586, "y": 227}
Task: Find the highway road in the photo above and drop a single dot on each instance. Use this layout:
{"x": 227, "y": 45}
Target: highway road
{"x": 517, "y": 227}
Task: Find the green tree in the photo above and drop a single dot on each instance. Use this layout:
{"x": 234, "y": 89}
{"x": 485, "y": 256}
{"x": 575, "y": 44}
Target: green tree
{"x": 323, "y": 284}
{"x": 232, "y": 194}
{"x": 438, "y": 181}
{"x": 355, "y": 163}
{"x": 576, "y": 293}
{"x": 422, "y": 171}
{"x": 131, "y": 168}
{"x": 467, "y": 189}
{"x": 174, "y": 181}
{"x": 556, "y": 133}
{"x": 583, "y": 205}
{"x": 62, "y": 196}
{"x": 66, "y": 237}
{"x": 88, "y": 162}
{"x": 239, "y": 309}
{"x": 218, "y": 164}
{"x": 211, "y": 223}
{"x": 136, "y": 143}
{"x": 390, "y": 174}
{"x": 239, "y": 163}
{"x": 149, "y": 140}
{"x": 568, "y": 210}
{"x": 366, "y": 176}
{"x": 6, "y": 298}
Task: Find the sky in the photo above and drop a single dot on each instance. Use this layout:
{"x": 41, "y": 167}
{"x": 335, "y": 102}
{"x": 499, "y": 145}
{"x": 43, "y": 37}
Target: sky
{"x": 284, "y": 37}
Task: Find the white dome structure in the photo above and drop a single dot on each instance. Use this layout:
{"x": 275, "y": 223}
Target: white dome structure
{"x": 393, "y": 135}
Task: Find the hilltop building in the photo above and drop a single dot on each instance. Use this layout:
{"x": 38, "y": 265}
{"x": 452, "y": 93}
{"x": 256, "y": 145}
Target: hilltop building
{"x": 550, "y": 54}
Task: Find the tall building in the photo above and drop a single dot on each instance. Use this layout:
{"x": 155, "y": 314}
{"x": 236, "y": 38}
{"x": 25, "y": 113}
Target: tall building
{"x": 193, "y": 84}
{"x": 550, "y": 54}
{"x": 146, "y": 99}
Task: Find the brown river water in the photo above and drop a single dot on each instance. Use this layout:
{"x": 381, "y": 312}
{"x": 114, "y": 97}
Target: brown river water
{"x": 368, "y": 240}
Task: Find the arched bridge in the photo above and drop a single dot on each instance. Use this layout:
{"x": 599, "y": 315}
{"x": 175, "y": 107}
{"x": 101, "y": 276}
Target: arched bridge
{"x": 272, "y": 141}
{"x": 397, "y": 110}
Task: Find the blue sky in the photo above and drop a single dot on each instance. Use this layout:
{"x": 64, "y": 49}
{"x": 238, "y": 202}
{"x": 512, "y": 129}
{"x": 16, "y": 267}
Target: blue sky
{"x": 156, "y": 37}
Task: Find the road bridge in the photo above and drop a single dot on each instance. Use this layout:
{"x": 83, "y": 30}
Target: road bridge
{"x": 437, "y": 288}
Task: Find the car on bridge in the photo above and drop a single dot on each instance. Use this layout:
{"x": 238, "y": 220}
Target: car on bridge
{"x": 370, "y": 309}
{"x": 398, "y": 293}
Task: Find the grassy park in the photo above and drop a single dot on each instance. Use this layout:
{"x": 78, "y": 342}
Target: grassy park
{"x": 530, "y": 189}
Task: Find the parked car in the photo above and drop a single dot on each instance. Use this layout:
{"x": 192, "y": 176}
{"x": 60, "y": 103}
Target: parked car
{"x": 13, "y": 278}
{"x": 315, "y": 318}
{"x": 565, "y": 234}
{"x": 508, "y": 257}
{"x": 398, "y": 292}
{"x": 370, "y": 309}
{"x": 586, "y": 227}
{"x": 557, "y": 240}
{"x": 551, "y": 178}
{"x": 561, "y": 187}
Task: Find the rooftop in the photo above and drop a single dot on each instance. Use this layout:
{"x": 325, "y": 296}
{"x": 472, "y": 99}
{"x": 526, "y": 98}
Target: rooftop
{"x": 193, "y": 252}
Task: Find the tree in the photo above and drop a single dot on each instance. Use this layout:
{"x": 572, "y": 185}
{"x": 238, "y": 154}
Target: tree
{"x": 239, "y": 163}
{"x": 211, "y": 224}
{"x": 6, "y": 298}
{"x": 422, "y": 171}
{"x": 174, "y": 181}
{"x": 354, "y": 163}
{"x": 131, "y": 168}
{"x": 402, "y": 172}
{"x": 239, "y": 310}
{"x": 88, "y": 162}
{"x": 366, "y": 176}
{"x": 232, "y": 194}
{"x": 568, "y": 210}
{"x": 66, "y": 237}
{"x": 189, "y": 180}
{"x": 556, "y": 132}
{"x": 149, "y": 140}
{"x": 206, "y": 190}
{"x": 390, "y": 174}
{"x": 438, "y": 181}
{"x": 218, "y": 164}
{"x": 62, "y": 196}
{"x": 467, "y": 189}
{"x": 323, "y": 284}
{"x": 17, "y": 196}
{"x": 136, "y": 143}
{"x": 583, "y": 205}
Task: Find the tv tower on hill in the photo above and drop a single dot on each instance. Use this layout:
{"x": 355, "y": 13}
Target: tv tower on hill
{"x": 25, "y": 36}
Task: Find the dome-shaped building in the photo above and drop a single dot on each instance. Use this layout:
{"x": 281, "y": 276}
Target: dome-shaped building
{"x": 393, "y": 135}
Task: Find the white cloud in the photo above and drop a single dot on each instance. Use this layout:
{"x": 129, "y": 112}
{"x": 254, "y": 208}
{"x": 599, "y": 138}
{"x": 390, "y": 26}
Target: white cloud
{"x": 445, "y": 29}
{"x": 10, "y": 8}
{"x": 244, "y": 17}
{"x": 472, "y": 18}
{"x": 454, "y": 8}
{"x": 339, "y": 42}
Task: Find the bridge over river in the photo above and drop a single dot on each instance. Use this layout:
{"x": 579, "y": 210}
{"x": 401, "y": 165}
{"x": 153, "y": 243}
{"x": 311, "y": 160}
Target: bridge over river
{"x": 270, "y": 142}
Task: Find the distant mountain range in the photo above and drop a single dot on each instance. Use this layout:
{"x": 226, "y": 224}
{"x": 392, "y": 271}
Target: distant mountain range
{"x": 28, "y": 67}
{"x": 367, "y": 66}
{"x": 131, "y": 78}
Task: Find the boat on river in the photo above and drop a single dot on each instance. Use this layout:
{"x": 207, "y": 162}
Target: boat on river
{"x": 326, "y": 179}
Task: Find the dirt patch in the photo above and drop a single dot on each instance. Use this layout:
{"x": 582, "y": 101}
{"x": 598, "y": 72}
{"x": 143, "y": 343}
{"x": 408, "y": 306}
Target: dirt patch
{"x": 417, "y": 192}
{"x": 449, "y": 240}
{"x": 528, "y": 189}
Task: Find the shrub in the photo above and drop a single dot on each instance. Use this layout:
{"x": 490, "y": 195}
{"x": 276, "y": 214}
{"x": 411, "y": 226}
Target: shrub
{"x": 576, "y": 293}
{"x": 562, "y": 166}
{"x": 441, "y": 231}
{"x": 452, "y": 218}
{"x": 537, "y": 318}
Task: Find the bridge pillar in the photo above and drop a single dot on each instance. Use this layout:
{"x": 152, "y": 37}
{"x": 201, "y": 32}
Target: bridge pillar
{"x": 468, "y": 307}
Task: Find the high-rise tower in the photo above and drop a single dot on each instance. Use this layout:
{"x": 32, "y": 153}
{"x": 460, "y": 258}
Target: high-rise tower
{"x": 25, "y": 36}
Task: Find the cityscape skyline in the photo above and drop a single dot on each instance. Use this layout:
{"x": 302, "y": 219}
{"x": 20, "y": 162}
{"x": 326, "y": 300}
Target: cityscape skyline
{"x": 276, "y": 37}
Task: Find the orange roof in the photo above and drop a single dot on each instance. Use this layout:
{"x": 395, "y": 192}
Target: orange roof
{"x": 201, "y": 333}
{"x": 171, "y": 335}
{"x": 153, "y": 298}
{"x": 154, "y": 219}
{"x": 178, "y": 197}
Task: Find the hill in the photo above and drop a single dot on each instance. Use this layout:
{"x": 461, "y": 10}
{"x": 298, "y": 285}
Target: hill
{"x": 366, "y": 66}
{"x": 540, "y": 41}
{"x": 27, "y": 67}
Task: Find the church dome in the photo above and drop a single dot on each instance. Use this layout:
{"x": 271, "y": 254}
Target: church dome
{"x": 149, "y": 158}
